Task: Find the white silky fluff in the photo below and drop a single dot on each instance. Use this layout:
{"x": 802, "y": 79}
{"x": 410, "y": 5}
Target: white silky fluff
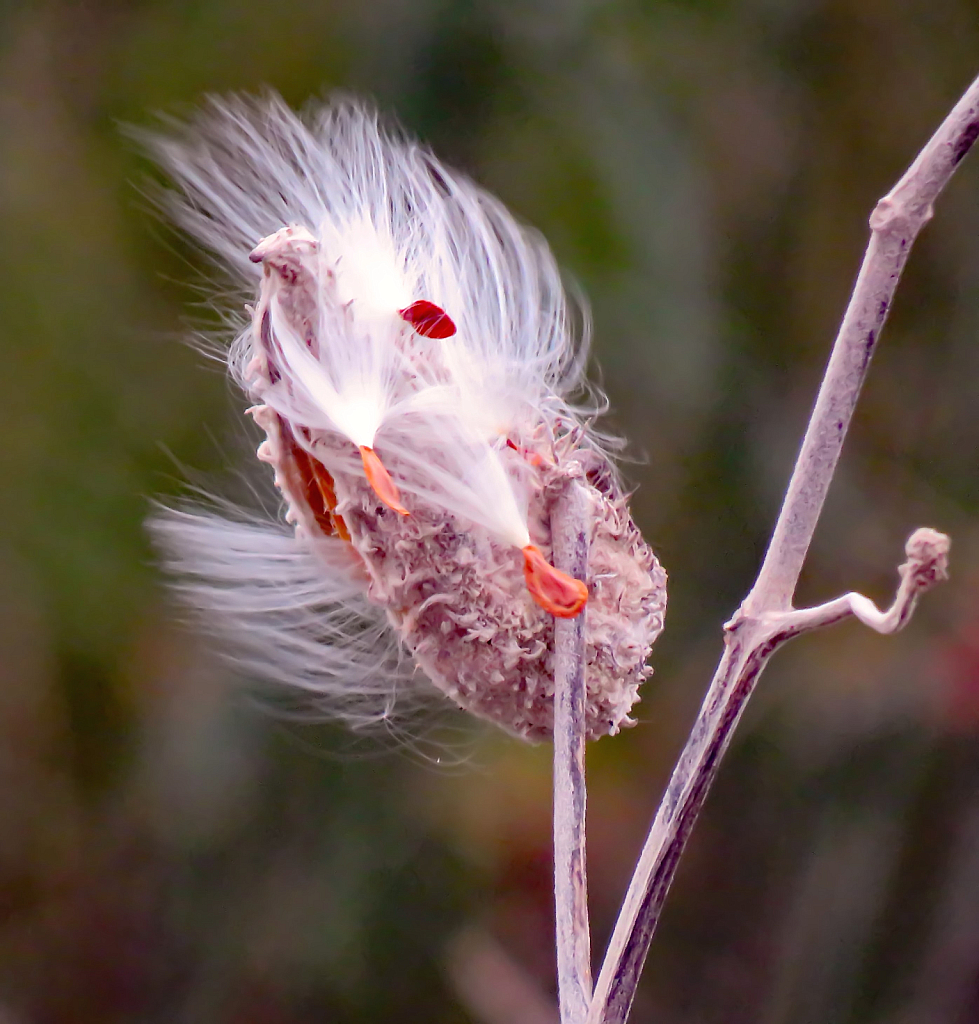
{"x": 288, "y": 611}
{"x": 393, "y": 226}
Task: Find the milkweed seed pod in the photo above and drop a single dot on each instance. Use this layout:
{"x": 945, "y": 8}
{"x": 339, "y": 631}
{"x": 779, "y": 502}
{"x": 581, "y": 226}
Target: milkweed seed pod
{"x": 409, "y": 353}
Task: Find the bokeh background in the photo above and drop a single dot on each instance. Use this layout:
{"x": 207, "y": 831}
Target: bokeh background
{"x": 172, "y": 851}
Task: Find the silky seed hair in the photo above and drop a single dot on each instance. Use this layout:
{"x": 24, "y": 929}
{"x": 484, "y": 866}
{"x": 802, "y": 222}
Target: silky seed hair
{"x": 409, "y": 353}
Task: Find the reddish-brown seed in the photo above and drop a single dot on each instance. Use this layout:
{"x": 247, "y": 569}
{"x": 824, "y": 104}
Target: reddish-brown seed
{"x": 317, "y": 486}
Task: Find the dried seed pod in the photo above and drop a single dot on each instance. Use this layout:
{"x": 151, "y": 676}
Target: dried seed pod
{"x": 410, "y": 356}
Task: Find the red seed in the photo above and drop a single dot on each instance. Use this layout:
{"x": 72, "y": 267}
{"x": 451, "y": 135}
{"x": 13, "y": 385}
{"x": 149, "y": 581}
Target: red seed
{"x": 429, "y": 320}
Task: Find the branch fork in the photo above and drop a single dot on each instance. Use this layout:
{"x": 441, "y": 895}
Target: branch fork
{"x": 765, "y": 620}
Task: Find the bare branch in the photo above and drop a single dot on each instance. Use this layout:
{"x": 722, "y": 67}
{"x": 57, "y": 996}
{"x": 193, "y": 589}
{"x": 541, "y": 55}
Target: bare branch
{"x": 569, "y": 532}
{"x": 894, "y": 224}
{"x": 766, "y": 618}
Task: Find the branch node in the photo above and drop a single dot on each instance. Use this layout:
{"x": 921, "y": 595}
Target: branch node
{"x": 883, "y": 214}
{"x": 733, "y": 622}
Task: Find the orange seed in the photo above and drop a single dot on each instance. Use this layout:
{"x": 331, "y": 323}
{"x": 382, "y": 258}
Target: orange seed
{"x": 555, "y": 591}
{"x": 380, "y": 480}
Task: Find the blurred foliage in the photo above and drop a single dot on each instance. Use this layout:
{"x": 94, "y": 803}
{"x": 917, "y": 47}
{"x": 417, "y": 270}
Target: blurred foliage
{"x": 169, "y": 851}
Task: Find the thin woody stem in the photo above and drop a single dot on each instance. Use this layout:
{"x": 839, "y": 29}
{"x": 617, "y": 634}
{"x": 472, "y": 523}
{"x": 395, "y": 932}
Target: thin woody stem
{"x": 766, "y": 619}
{"x": 894, "y": 223}
{"x": 570, "y": 541}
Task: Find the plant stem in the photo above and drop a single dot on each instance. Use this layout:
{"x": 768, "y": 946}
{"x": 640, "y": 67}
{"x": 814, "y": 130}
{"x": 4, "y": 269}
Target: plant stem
{"x": 766, "y": 619}
{"x": 570, "y": 539}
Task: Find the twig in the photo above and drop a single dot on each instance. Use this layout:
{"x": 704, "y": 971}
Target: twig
{"x": 927, "y": 564}
{"x": 766, "y": 618}
{"x": 570, "y": 539}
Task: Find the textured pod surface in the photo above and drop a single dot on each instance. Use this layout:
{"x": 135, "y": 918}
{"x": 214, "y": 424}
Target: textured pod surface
{"x": 458, "y": 601}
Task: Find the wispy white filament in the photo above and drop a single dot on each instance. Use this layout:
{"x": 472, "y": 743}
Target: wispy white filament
{"x": 293, "y": 612}
{"x": 383, "y": 225}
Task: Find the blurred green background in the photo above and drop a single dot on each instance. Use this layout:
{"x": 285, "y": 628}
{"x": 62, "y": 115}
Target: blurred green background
{"x": 170, "y": 851}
